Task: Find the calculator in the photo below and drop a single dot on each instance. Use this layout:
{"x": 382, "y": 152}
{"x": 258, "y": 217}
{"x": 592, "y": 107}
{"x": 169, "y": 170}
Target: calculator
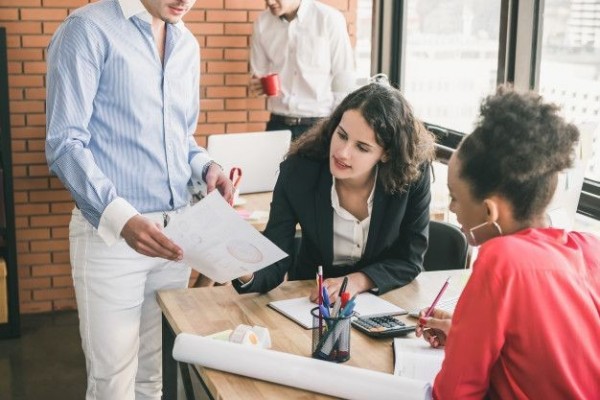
{"x": 382, "y": 327}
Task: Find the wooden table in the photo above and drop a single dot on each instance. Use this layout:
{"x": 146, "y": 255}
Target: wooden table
{"x": 205, "y": 311}
{"x": 260, "y": 202}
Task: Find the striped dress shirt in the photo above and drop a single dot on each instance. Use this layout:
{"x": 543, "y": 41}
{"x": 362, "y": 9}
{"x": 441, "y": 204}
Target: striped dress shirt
{"x": 120, "y": 123}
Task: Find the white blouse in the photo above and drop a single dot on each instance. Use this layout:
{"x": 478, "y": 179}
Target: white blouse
{"x": 349, "y": 234}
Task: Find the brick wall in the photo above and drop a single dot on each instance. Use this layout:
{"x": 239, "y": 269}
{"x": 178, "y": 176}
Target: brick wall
{"x": 42, "y": 205}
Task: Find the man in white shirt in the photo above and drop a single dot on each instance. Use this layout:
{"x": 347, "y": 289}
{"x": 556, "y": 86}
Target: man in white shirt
{"x": 307, "y": 44}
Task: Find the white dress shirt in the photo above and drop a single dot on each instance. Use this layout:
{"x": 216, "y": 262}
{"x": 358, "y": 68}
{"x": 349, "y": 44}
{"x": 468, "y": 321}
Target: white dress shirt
{"x": 312, "y": 55}
{"x": 349, "y": 234}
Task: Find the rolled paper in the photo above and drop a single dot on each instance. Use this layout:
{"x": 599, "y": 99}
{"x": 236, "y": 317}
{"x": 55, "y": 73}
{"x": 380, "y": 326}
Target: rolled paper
{"x": 301, "y": 372}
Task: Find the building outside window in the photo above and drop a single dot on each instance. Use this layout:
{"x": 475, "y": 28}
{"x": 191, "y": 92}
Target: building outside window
{"x": 570, "y": 75}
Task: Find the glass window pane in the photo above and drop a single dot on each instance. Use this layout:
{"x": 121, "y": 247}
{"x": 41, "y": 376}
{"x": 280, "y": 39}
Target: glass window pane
{"x": 362, "y": 51}
{"x": 451, "y": 59}
{"x": 586, "y": 224}
{"x": 570, "y": 68}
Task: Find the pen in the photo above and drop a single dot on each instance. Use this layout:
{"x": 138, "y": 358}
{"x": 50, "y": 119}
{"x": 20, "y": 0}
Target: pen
{"x": 347, "y": 311}
{"x": 320, "y": 296}
{"x": 345, "y": 299}
{"x": 435, "y": 301}
{"x": 326, "y": 302}
{"x": 338, "y": 302}
{"x": 320, "y": 284}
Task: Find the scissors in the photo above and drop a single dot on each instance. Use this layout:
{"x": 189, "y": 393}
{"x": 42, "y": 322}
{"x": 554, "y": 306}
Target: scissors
{"x": 235, "y": 175}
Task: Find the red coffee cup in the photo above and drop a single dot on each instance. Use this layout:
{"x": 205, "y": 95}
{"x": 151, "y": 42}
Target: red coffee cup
{"x": 270, "y": 84}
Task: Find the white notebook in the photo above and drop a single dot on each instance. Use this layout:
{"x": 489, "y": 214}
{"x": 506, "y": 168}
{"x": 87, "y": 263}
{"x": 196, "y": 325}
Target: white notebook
{"x": 416, "y": 359}
{"x": 367, "y": 305}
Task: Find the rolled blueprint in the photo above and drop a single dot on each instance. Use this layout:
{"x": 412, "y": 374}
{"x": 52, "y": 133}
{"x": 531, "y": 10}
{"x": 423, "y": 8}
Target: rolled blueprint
{"x": 301, "y": 372}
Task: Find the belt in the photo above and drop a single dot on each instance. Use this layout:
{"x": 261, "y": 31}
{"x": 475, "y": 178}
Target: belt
{"x": 294, "y": 121}
{"x": 162, "y": 216}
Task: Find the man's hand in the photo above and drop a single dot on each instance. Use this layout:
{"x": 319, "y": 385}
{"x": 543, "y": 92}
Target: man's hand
{"x": 216, "y": 178}
{"x": 146, "y": 237}
{"x": 255, "y": 88}
{"x": 435, "y": 328}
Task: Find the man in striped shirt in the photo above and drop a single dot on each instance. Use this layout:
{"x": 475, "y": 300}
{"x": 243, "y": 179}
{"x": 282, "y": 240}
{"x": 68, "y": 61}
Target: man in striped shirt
{"x": 122, "y": 108}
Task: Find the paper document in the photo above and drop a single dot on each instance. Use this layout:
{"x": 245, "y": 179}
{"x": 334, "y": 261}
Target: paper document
{"x": 416, "y": 359}
{"x": 218, "y": 243}
{"x": 306, "y": 373}
{"x": 367, "y": 305}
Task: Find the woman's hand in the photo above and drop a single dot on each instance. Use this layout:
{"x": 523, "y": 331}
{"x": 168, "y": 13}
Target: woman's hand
{"x": 434, "y": 328}
{"x": 246, "y": 278}
{"x": 358, "y": 282}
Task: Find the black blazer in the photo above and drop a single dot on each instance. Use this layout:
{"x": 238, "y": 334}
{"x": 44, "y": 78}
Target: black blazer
{"x": 397, "y": 238}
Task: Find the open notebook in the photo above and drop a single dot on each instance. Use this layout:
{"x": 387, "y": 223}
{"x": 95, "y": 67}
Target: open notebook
{"x": 416, "y": 359}
{"x": 367, "y": 305}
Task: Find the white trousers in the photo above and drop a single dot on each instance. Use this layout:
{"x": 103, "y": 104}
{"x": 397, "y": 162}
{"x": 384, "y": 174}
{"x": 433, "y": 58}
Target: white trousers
{"x": 119, "y": 317}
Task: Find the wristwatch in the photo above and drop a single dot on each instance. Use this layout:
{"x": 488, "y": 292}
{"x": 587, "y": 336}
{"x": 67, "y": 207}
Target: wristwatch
{"x": 207, "y": 167}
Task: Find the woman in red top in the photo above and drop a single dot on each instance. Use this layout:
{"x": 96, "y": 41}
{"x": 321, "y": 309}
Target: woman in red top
{"x": 527, "y": 324}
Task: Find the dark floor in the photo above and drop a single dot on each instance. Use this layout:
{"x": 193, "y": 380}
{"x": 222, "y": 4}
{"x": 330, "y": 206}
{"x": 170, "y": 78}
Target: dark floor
{"x": 46, "y": 362}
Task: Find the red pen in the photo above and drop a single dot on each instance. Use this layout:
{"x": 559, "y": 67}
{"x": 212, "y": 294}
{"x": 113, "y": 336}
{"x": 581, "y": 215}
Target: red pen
{"x": 345, "y": 298}
{"x": 435, "y": 301}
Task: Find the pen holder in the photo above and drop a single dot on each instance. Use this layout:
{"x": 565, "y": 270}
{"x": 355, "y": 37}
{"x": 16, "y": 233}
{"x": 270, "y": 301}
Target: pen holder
{"x": 331, "y": 337}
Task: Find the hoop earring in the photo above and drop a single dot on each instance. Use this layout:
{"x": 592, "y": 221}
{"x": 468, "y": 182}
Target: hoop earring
{"x": 484, "y": 232}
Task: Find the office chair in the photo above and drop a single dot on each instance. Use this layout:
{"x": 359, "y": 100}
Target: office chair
{"x": 448, "y": 247}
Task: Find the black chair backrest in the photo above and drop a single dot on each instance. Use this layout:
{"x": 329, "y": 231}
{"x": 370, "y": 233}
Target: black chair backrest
{"x": 448, "y": 247}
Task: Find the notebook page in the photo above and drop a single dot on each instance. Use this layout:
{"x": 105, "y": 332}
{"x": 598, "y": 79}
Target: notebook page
{"x": 367, "y": 305}
{"x": 415, "y": 358}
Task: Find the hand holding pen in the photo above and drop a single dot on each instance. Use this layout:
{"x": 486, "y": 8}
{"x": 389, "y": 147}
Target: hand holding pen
{"x": 435, "y": 328}
{"x": 357, "y": 283}
{"x": 437, "y": 322}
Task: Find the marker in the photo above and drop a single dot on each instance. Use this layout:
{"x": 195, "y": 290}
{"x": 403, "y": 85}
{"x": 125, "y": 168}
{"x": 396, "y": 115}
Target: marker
{"x": 338, "y": 302}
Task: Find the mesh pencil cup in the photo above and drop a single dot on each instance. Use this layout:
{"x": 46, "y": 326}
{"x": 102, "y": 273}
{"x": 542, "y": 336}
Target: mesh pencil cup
{"x": 331, "y": 337}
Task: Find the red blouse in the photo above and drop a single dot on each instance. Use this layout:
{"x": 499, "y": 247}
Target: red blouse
{"x": 527, "y": 325}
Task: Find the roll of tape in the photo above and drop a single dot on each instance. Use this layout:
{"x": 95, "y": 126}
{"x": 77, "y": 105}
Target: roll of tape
{"x": 243, "y": 334}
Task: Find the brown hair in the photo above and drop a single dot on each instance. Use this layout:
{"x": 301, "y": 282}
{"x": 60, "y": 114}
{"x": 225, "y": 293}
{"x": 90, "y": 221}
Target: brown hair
{"x": 402, "y": 136}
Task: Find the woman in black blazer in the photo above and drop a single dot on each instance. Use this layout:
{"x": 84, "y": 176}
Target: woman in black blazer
{"x": 359, "y": 186}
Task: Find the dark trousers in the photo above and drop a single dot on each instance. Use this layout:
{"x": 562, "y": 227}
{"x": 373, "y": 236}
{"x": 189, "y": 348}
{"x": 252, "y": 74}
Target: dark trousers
{"x": 297, "y": 130}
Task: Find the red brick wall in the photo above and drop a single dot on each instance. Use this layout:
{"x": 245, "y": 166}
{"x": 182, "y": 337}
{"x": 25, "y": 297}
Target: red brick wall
{"x": 42, "y": 205}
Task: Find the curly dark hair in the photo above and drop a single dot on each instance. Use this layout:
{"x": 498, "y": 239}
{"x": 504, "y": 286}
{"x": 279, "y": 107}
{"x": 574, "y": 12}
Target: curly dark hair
{"x": 403, "y": 137}
{"x": 517, "y": 149}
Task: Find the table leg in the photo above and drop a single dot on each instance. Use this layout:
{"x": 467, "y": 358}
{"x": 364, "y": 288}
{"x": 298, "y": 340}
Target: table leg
{"x": 169, "y": 365}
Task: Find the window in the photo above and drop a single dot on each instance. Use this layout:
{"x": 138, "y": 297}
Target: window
{"x": 446, "y": 56}
{"x": 451, "y": 59}
{"x": 450, "y": 64}
{"x": 362, "y": 51}
{"x": 571, "y": 42}
{"x": 570, "y": 63}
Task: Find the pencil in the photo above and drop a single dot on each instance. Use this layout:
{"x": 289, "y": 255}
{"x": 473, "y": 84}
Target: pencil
{"x": 437, "y": 298}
